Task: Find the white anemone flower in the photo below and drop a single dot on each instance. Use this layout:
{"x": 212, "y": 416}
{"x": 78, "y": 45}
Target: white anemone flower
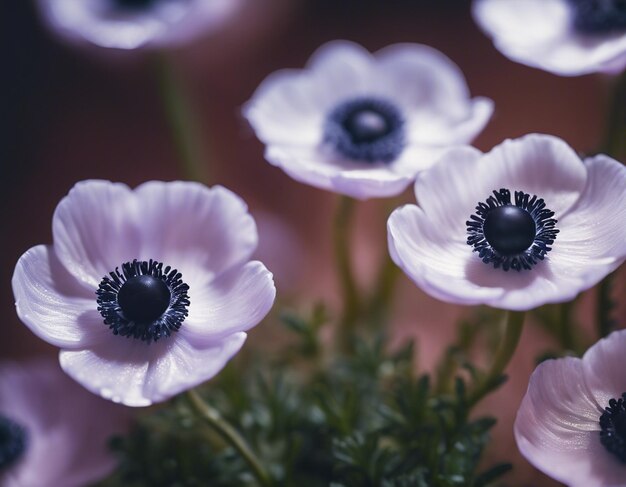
{"x": 571, "y": 424}
{"x": 52, "y": 431}
{"x": 526, "y": 224}
{"x": 132, "y": 24}
{"x": 565, "y": 37}
{"x": 363, "y": 124}
{"x": 148, "y": 292}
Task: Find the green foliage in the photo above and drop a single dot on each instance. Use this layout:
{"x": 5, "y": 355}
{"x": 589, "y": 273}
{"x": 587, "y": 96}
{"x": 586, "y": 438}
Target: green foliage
{"x": 364, "y": 420}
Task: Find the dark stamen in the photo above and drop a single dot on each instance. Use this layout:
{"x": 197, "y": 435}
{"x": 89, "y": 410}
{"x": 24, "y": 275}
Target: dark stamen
{"x": 13, "y": 442}
{"x": 134, "y": 4}
{"x": 144, "y": 301}
{"x": 613, "y": 428}
{"x": 593, "y": 17}
{"x": 366, "y": 130}
{"x": 512, "y": 236}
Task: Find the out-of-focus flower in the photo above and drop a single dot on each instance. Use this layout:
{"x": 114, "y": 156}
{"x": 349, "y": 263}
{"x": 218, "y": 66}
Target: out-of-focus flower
{"x": 525, "y": 224}
{"x": 132, "y": 24}
{"x": 147, "y": 292}
{"x": 565, "y": 37}
{"x": 52, "y": 431}
{"x": 363, "y": 125}
{"x": 571, "y": 424}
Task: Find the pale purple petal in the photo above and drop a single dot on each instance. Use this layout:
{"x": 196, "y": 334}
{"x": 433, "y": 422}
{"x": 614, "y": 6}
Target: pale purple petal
{"x": 604, "y": 368}
{"x": 68, "y": 428}
{"x": 168, "y": 22}
{"x": 539, "y": 33}
{"x": 234, "y": 301}
{"x": 95, "y": 230}
{"x": 557, "y": 427}
{"x": 136, "y": 373}
{"x": 198, "y": 230}
{"x": 52, "y": 303}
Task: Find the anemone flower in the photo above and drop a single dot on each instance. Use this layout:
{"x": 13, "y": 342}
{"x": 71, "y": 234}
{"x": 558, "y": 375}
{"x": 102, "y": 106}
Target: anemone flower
{"x": 52, "y": 431}
{"x": 565, "y": 37}
{"x": 571, "y": 424}
{"x": 525, "y": 224}
{"x": 147, "y": 292}
{"x": 364, "y": 124}
{"x": 132, "y": 24}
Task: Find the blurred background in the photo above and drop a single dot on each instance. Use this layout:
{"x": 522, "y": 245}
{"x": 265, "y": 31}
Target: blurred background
{"x": 69, "y": 113}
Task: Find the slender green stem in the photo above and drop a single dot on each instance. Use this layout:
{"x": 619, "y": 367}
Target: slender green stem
{"x": 342, "y": 229}
{"x": 181, "y": 119}
{"x": 513, "y": 325}
{"x": 383, "y": 293}
{"x": 215, "y": 420}
{"x": 566, "y": 331}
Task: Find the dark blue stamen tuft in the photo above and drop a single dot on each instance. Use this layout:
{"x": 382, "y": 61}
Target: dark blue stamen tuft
{"x": 511, "y": 236}
{"x": 594, "y": 17}
{"x": 134, "y": 4}
{"x": 613, "y": 428}
{"x": 13, "y": 442}
{"x": 366, "y": 130}
{"x": 144, "y": 301}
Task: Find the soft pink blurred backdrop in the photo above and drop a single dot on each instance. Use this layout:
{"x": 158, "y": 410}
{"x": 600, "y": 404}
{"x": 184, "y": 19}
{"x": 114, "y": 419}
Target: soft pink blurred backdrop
{"x": 72, "y": 114}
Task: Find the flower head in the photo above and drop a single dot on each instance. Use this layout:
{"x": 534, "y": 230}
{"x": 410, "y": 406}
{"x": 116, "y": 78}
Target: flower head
{"x": 364, "y": 124}
{"x": 565, "y": 37}
{"x": 525, "y": 224}
{"x": 52, "y": 431}
{"x": 572, "y": 421}
{"x": 148, "y": 292}
{"x": 132, "y": 24}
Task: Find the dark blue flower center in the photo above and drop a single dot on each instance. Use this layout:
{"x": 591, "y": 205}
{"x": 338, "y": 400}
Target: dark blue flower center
{"x": 511, "y": 235}
{"x": 134, "y": 4}
{"x": 599, "y": 16}
{"x": 13, "y": 442}
{"x": 613, "y": 427}
{"x": 366, "y": 130}
{"x": 144, "y": 300}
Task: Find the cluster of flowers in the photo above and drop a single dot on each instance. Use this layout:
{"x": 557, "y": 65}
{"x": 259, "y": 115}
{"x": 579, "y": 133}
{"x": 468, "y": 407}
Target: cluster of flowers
{"x": 149, "y": 292}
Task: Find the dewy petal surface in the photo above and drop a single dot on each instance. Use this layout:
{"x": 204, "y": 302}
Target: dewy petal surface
{"x": 234, "y": 301}
{"x": 52, "y": 303}
{"x": 557, "y": 427}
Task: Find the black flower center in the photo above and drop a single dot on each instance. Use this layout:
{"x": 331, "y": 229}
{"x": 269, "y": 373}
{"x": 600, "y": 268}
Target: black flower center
{"x": 511, "y": 235}
{"x": 134, "y": 4}
{"x": 366, "y": 130}
{"x": 613, "y": 427}
{"x": 13, "y": 442}
{"x": 599, "y": 16}
{"x": 144, "y": 300}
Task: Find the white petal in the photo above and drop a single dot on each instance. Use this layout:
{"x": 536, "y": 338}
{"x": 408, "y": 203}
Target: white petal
{"x": 95, "y": 229}
{"x": 557, "y": 427}
{"x": 52, "y": 303}
{"x": 186, "y": 366}
{"x": 234, "y": 301}
{"x": 137, "y": 374}
{"x": 199, "y": 231}
{"x": 604, "y": 368}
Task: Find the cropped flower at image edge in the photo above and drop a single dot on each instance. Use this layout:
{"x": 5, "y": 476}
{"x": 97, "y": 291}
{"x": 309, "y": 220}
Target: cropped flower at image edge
{"x": 147, "y": 292}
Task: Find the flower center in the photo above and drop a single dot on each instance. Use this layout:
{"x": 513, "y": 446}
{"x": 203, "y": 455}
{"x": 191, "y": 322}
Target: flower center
{"x": 13, "y": 442}
{"x": 613, "y": 427}
{"x": 509, "y": 229}
{"x": 134, "y": 4}
{"x": 599, "y": 16}
{"x": 366, "y": 130}
{"x": 144, "y": 300}
{"x": 511, "y": 235}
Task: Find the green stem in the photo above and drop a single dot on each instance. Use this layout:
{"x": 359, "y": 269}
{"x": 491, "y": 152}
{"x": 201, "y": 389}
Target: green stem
{"x": 383, "y": 294}
{"x": 215, "y": 420}
{"x": 566, "y": 327}
{"x": 604, "y": 306}
{"x": 342, "y": 228}
{"x": 513, "y": 325}
{"x": 182, "y": 120}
